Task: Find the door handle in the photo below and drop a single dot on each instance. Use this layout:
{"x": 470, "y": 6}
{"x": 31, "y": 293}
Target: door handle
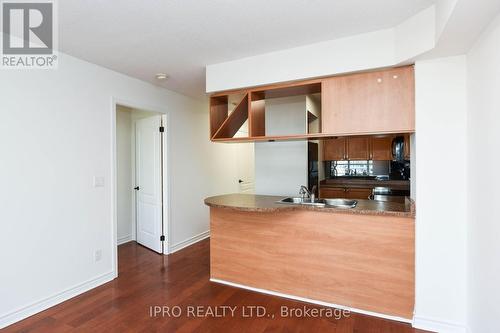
{"x": 136, "y": 188}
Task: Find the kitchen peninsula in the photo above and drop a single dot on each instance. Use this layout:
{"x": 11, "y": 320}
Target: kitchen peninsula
{"x": 348, "y": 140}
{"x": 360, "y": 258}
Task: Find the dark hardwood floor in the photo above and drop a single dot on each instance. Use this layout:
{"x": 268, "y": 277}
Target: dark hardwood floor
{"x": 147, "y": 280}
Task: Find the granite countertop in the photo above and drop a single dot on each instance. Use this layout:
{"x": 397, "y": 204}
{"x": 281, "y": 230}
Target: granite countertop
{"x": 365, "y": 183}
{"x": 268, "y": 203}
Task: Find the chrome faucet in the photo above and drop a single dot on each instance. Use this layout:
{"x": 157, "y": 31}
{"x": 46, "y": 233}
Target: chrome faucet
{"x": 304, "y": 192}
{"x": 313, "y": 193}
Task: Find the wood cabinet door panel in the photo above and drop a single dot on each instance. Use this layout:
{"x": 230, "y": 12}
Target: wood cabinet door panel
{"x": 358, "y": 193}
{"x": 376, "y": 102}
{"x": 334, "y": 149}
{"x": 357, "y": 148}
{"x": 332, "y": 193}
{"x": 407, "y": 147}
{"x": 381, "y": 148}
{"x": 399, "y": 99}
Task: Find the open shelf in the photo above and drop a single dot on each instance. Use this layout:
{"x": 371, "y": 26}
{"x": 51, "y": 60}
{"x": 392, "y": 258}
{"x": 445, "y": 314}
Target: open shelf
{"x": 257, "y": 116}
{"x": 218, "y": 113}
{"x": 247, "y": 122}
{"x": 234, "y": 120}
{"x": 267, "y": 113}
{"x": 288, "y": 91}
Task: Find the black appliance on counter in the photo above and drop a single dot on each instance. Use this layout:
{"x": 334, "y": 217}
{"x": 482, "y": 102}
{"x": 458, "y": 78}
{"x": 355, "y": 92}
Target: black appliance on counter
{"x": 399, "y": 168}
{"x": 312, "y": 166}
{"x": 398, "y": 149}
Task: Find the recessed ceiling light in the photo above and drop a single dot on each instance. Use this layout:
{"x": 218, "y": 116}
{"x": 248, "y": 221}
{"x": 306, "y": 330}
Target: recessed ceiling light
{"x": 161, "y": 76}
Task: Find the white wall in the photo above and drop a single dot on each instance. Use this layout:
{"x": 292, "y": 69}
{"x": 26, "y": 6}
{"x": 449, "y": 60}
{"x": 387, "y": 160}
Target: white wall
{"x": 370, "y": 50}
{"x": 382, "y": 48}
{"x": 124, "y": 176}
{"x": 55, "y": 135}
{"x": 483, "y": 71}
{"x": 441, "y": 194}
{"x": 281, "y": 167}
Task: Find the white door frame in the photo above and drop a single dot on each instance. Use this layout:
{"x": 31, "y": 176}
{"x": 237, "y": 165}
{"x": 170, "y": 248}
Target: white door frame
{"x": 113, "y": 181}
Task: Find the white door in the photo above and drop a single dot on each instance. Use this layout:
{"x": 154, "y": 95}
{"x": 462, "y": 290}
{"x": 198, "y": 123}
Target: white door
{"x": 148, "y": 182}
{"x": 245, "y": 167}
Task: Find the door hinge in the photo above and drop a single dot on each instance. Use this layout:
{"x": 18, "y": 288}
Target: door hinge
{"x": 162, "y": 129}
{"x": 162, "y": 238}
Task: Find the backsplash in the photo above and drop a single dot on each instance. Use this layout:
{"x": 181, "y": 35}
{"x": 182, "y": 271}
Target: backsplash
{"x": 392, "y": 169}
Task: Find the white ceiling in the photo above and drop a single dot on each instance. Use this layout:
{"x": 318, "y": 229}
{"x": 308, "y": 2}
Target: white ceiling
{"x": 181, "y": 37}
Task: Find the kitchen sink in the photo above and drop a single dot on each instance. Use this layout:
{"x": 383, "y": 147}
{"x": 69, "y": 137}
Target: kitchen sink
{"x": 337, "y": 203}
{"x": 341, "y": 203}
{"x": 297, "y": 201}
{"x": 300, "y": 201}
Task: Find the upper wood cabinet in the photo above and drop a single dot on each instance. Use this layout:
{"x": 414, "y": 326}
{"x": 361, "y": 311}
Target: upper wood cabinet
{"x": 335, "y": 149}
{"x": 358, "y": 148}
{"x": 379, "y": 102}
{"x": 407, "y": 146}
{"x": 381, "y": 148}
{"x": 369, "y": 103}
{"x": 376, "y": 148}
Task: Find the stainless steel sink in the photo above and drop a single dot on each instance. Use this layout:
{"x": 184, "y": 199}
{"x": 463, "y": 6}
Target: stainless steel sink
{"x": 296, "y": 201}
{"x": 300, "y": 201}
{"x": 341, "y": 203}
{"x": 337, "y": 203}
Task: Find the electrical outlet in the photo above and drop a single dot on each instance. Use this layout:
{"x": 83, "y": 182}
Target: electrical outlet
{"x": 98, "y": 181}
{"x": 97, "y": 255}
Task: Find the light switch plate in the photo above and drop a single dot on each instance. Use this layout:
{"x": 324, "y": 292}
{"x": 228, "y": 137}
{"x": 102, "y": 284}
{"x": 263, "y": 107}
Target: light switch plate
{"x": 97, "y": 255}
{"x": 98, "y": 181}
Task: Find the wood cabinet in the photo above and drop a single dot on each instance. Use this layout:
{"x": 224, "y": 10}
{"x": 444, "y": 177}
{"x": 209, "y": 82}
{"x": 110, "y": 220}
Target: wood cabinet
{"x": 335, "y": 149}
{"x": 379, "y": 102}
{"x": 344, "y": 193}
{"x": 332, "y": 192}
{"x": 365, "y": 103}
{"x": 376, "y": 148}
{"x": 358, "y": 193}
{"x": 407, "y": 147}
{"x": 358, "y": 148}
{"x": 381, "y": 148}
{"x": 361, "y": 261}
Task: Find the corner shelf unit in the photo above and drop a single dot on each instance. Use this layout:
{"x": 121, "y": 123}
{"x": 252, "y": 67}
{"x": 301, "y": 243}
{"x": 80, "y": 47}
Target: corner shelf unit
{"x": 225, "y": 124}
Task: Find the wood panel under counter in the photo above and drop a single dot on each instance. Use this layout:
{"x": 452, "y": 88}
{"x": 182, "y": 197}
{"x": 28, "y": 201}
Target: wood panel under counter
{"x": 361, "y": 258}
